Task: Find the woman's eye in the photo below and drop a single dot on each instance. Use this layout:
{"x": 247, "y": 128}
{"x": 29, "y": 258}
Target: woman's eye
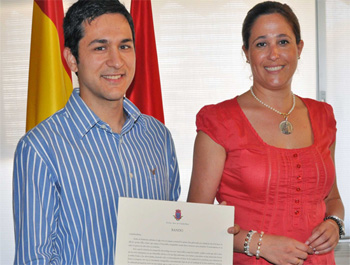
{"x": 283, "y": 42}
{"x": 261, "y": 44}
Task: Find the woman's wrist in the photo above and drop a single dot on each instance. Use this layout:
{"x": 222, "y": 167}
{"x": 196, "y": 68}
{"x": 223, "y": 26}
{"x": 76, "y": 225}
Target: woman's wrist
{"x": 247, "y": 242}
{"x": 255, "y": 244}
{"x": 339, "y": 222}
{"x": 259, "y": 244}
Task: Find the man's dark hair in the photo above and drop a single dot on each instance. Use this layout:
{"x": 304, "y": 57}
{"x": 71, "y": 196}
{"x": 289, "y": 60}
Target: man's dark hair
{"x": 88, "y": 10}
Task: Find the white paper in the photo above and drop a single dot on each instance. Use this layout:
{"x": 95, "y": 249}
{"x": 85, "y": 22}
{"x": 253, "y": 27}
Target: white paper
{"x": 172, "y": 233}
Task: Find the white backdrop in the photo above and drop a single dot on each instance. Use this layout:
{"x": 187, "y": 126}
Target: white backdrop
{"x": 334, "y": 67}
{"x": 200, "y": 59}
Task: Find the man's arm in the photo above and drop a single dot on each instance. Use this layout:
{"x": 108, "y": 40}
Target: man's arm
{"x": 35, "y": 204}
{"x": 174, "y": 175}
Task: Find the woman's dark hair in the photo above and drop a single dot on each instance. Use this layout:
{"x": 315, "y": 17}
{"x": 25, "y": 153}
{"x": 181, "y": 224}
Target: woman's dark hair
{"x": 88, "y": 10}
{"x": 266, "y": 8}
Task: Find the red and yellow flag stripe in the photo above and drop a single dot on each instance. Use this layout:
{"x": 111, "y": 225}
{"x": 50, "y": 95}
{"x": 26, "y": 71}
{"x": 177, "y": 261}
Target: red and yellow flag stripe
{"x": 50, "y": 84}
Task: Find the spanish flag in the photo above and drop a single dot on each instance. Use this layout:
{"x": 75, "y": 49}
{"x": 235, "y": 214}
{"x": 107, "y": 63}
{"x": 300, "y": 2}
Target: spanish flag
{"x": 50, "y": 84}
{"x": 145, "y": 90}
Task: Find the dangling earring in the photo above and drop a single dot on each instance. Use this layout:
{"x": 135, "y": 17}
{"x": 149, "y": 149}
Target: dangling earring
{"x": 247, "y": 61}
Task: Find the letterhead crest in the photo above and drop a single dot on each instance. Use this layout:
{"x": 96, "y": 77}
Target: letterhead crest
{"x": 178, "y": 215}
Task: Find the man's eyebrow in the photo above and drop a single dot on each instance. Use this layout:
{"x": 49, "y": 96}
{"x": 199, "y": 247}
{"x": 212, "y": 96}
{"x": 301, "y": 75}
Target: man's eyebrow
{"x": 126, "y": 40}
{"x": 100, "y": 41}
{"x": 104, "y": 41}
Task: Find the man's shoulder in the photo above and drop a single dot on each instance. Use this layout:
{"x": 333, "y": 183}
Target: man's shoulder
{"x": 154, "y": 128}
{"x": 44, "y": 130}
{"x": 141, "y": 118}
{"x": 150, "y": 121}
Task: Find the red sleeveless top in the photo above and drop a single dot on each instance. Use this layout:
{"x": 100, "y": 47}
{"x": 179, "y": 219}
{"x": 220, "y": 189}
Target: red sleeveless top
{"x": 275, "y": 190}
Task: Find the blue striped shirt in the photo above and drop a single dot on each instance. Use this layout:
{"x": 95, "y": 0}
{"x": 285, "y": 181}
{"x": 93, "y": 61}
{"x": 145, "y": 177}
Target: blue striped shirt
{"x": 69, "y": 172}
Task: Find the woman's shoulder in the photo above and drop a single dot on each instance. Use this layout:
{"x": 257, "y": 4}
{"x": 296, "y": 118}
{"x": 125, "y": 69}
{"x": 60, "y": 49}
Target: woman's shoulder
{"x": 314, "y": 102}
{"x": 322, "y": 114}
{"x": 317, "y": 107}
{"x": 216, "y": 120}
{"x": 220, "y": 108}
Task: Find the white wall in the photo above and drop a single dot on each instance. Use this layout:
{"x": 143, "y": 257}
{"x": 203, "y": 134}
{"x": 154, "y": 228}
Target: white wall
{"x": 199, "y": 51}
{"x": 201, "y": 62}
{"x": 334, "y": 80}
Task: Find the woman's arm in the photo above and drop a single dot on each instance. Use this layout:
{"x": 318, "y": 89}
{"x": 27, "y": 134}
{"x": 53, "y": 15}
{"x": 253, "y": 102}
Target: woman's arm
{"x": 334, "y": 204}
{"x": 208, "y": 165}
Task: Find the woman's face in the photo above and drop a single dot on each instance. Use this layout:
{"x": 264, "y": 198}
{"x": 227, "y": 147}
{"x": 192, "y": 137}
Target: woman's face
{"x": 273, "y": 53}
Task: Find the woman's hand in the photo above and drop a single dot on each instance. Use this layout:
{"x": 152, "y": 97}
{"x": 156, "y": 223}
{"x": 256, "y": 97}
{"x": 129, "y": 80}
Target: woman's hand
{"x": 234, "y": 229}
{"x": 324, "y": 237}
{"x": 282, "y": 250}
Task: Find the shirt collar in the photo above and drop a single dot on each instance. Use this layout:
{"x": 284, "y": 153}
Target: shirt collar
{"x": 132, "y": 111}
{"x": 84, "y": 118}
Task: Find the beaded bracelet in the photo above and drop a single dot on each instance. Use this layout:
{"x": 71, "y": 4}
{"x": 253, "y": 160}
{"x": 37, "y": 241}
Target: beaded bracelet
{"x": 247, "y": 240}
{"x": 259, "y": 245}
{"x": 339, "y": 222}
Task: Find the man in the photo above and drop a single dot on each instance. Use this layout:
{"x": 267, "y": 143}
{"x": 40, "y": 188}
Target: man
{"x": 71, "y": 169}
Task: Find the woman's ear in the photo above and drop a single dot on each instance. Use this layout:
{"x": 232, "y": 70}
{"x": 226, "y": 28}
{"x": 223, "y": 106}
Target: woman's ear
{"x": 70, "y": 59}
{"x": 246, "y": 54}
{"x": 300, "y": 46}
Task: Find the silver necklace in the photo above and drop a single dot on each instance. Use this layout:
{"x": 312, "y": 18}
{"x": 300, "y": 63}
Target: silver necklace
{"x": 285, "y": 126}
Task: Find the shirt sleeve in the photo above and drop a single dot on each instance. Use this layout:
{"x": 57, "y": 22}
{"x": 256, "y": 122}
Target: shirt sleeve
{"x": 174, "y": 175}
{"x": 210, "y": 122}
{"x": 35, "y": 200}
{"x": 332, "y": 124}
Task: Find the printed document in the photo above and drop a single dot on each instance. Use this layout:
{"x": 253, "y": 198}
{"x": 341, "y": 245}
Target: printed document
{"x": 171, "y": 233}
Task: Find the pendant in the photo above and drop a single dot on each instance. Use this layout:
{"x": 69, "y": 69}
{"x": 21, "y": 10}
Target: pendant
{"x": 286, "y": 127}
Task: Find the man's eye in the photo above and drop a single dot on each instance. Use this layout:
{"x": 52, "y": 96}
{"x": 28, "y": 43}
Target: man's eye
{"x": 124, "y": 47}
{"x": 99, "y": 48}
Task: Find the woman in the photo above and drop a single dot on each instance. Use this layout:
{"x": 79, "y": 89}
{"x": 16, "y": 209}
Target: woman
{"x": 271, "y": 153}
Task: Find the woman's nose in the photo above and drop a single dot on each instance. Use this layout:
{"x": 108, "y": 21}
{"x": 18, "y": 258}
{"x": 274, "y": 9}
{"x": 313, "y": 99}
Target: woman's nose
{"x": 274, "y": 52}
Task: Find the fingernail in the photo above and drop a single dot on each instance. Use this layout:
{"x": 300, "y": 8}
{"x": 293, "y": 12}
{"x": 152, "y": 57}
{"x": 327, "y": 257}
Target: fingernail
{"x": 316, "y": 252}
{"x": 307, "y": 243}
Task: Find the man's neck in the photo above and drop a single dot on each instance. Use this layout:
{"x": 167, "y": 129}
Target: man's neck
{"x": 113, "y": 115}
{"x": 111, "y": 112}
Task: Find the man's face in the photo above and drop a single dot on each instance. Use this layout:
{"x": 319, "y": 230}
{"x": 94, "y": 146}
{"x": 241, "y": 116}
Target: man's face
{"x": 106, "y": 65}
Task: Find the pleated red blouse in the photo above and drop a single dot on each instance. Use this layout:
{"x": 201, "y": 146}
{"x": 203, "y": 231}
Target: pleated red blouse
{"x": 275, "y": 190}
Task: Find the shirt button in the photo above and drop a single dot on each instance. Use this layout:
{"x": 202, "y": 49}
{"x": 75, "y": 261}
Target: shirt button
{"x": 297, "y": 201}
{"x": 298, "y": 166}
{"x": 131, "y": 175}
{"x": 103, "y": 126}
{"x": 298, "y": 189}
{"x": 295, "y": 155}
{"x": 298, "y": 177}
{"x": 296, "y": 212}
